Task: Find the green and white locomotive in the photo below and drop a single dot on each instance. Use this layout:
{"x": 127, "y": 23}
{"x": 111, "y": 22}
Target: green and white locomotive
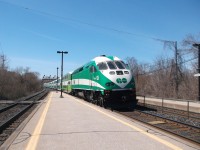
{"x": 105, "y": 80}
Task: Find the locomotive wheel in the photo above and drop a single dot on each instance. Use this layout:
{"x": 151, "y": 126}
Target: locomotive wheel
{"x": 91, "y": 97}
{"x": 75, "y": 93}
{"x": 95, "y": 101}
{"x": 95, "y": 98}
{"x": 101, "y": 100}
{"x": 88, "y": 95}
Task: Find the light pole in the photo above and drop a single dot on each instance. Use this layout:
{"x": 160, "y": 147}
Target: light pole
{"x": 62, "y": 52}
{"x": 198, "y": 70}
{"x": 57, "y": 81}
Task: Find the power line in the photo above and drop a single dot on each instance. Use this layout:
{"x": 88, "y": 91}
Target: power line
{"x": 185, "y": 53}
{"x": 149, "y": 66}
{"x": 168, "y": 67}
{"x": 91, "y": 24}
{"x": 83, "y": 22}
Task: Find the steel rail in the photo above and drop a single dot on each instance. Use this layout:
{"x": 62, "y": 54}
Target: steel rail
{"x": 6, "y": 128}
{"x": 6, "y": 123}
{"x": 176, "y": 128}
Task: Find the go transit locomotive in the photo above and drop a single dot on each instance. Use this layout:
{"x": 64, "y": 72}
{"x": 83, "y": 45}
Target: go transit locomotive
{"x": 105, "y": 80}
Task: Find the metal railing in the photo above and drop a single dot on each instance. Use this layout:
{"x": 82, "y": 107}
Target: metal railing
{"x": 162, "y": 101}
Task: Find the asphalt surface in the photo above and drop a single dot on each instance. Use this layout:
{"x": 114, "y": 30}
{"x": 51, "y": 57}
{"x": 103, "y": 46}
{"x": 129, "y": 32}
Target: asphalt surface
{"x": 72, "y": 124}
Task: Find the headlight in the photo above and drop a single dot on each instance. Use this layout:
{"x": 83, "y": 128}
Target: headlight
{"x": 111, "y": 72}
{"x": 126, "y": 72}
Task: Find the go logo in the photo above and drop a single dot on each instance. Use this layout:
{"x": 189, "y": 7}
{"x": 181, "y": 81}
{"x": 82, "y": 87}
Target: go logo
{"x": 123, "y": 80}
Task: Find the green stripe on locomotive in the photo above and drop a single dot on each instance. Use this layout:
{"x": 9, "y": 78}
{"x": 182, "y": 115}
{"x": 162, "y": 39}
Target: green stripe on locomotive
{"x": 82, "y": 78}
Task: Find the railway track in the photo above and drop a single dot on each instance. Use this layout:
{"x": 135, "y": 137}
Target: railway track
{"x": 176, "y": 123}
{"x": 190, "y": 118}
{"x": 172, "y": 110}
{"x": 12, "y": 115}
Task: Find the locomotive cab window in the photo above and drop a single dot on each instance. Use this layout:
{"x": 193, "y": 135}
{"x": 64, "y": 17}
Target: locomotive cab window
{"x": 102, "y": 66}
{"x": 125, "y": 65}
{"x": 120, "y": 65}
{"x": 93, "y": 69}
{"x": 81, "y": 69}
{"x": 111, "y": 65}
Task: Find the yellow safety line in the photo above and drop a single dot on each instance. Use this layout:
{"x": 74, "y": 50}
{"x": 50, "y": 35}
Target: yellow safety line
{"x": 172, "y": 146}
{"x": 36, "y": 134}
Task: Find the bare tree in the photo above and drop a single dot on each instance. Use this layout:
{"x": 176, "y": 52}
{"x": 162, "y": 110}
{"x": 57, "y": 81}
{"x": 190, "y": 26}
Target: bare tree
{"x": 3, "y": 62}
{"x": 18, "y": 83}
{"x": 169, "y": 77}
{"x": 190, "y": 82}
{"x": 138, "y": 71}
{"x": 188, "y": 42}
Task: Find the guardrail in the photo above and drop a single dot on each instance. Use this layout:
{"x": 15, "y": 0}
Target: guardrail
{"x": 172, "y": 103}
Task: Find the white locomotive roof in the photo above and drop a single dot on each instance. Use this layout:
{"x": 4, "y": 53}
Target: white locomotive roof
{"x": 105, "y": 58}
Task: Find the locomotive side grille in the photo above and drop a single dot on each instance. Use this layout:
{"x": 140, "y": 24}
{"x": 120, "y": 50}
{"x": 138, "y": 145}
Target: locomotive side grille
{"x": 119, "y": 72}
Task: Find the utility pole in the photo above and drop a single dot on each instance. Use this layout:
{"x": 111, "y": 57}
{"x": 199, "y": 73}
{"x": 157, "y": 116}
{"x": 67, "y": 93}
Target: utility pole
{"x": 62, "y": 52}
{"x": 176, "y": 69}
{"x": 57, "y": 80}
{"x": 198, "y": 70}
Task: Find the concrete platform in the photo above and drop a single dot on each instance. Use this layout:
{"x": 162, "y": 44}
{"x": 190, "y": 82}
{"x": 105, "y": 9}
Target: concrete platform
{"x": 72, "y": 124}
{"x": 192, "y": 106}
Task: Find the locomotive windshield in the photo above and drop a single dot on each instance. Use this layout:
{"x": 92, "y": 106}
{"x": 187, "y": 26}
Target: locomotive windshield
{"x": 102, "y": 66}
{"x": 126, "y": 65}
{"x": 120, "y": 65}
{"x": 111, "y": 65}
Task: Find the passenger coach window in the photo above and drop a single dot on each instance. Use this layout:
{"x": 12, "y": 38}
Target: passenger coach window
{"x": 119, "y": 65}
{"x": 102, "y": 66}
{"x": 111, "y": 65}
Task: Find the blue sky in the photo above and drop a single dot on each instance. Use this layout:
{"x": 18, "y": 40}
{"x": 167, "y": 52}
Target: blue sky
{"x": 32, "y": 31}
